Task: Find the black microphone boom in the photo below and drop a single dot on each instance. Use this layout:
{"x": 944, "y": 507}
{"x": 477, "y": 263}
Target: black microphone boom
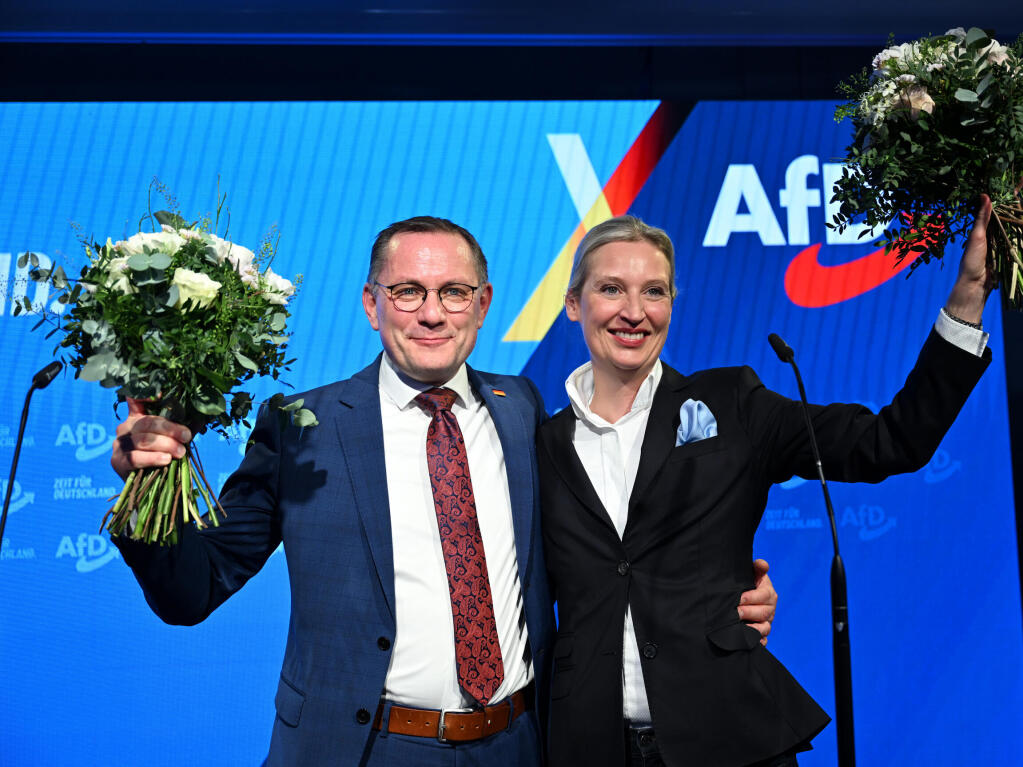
{"x": 45, "y": 377}
{"x": 40, "y": 380}
{"x": 839, "y": 600}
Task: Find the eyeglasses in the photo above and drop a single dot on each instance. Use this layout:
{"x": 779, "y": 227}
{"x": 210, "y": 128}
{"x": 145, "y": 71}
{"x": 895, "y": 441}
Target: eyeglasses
{"x": 409, "y": 296}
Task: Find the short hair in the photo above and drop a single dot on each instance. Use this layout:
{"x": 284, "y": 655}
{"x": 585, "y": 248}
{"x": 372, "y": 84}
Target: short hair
{"x": 619, "y": 229}
{"x": 378, "y": 254}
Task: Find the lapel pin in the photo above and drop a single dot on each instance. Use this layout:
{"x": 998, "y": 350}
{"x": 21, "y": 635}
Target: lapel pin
{"x": 499, "y": 392}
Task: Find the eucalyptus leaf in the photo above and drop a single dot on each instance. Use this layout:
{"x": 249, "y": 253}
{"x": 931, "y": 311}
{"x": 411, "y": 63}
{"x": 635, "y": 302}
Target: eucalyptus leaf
{"x": 168, "y": 218}
{"x": 97, "y": 366}
{"x": 209, "y": 405}
{"x": 159, "y": 261}
{"x": 245, "y": 362}
{"x": 139, "y": 262}
{"x": 304, "y": 418}
{"x": 962, "y": 94}
{"x": 976, "y": 38}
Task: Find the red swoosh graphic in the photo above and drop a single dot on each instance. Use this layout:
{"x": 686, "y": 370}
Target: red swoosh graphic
{"x": 813, "y": 285}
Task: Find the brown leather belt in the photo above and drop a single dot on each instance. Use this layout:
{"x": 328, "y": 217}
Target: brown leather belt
{"x": 458, "y": 725}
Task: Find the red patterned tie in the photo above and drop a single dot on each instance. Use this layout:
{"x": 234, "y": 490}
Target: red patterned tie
{"x": 477, "y": 649}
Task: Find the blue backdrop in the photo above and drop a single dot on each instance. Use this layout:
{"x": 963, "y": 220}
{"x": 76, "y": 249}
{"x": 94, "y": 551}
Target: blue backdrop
{"x": 92, "y": 677}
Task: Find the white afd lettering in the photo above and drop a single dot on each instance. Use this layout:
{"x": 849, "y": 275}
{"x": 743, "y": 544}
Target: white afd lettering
{"x": 742, "y": 184}
{"x": 21, "y": 285}
{"x": 797, "y": 198}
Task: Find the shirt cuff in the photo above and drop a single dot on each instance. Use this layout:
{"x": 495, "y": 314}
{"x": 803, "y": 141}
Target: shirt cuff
{"x": 972, "y": 340}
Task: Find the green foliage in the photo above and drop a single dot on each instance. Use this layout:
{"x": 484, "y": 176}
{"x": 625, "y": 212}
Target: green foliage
{"x": 178, "y": 317}
{"x": 938, "y": 122}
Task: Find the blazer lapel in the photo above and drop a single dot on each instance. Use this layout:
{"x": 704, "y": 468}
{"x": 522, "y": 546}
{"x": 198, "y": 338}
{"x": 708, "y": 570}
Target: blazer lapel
{"x": 361, "y": 436}
{"x": 658, "y": 440}
{"x": 509, "y": 420}
{"x": 557, "y": 438}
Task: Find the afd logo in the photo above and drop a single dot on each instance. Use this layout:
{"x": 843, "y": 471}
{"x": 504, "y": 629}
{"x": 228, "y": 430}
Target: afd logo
{"x": 90, "y": 552}
{"x": 941, "y": 467}
{"x": 19, "y": 498}
{"x": 743, "y": 206}
{"x": 871, "y": 521}
{"x": 16, "y": 286}
{"x": 89, "y": 439}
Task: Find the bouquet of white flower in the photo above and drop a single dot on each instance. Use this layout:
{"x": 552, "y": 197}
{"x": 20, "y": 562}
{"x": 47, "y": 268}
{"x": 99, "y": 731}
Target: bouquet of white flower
{"x": 937, "y": 122}
{"x": 178, "y": 317}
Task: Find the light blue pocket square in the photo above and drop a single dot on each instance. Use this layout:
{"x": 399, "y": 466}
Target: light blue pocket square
{"x": 696, "y": 422}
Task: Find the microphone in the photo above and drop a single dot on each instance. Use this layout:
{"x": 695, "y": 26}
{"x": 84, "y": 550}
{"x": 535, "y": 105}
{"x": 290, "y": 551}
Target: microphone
{"x": 782, "y": 349}
{"x": 40, "y": 380}
{"x": 45, "y": 377}
{"x": 839, "y": 600}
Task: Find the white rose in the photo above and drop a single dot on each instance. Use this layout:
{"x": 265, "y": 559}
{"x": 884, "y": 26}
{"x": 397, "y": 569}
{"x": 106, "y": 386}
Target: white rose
{"x": 194, "y": 286}
{"x": 118, "y": 276}
{"x": 996, "y": 53}
{"x": 278, "y": 289}
{"x": 916, "y": 99}
{"x": 958, "y": 33}
{"x": 162, "y": 242}
{"x": 250, "y": 277}
{"x": 240, "y": 257}
{"x": 896, "y": 53}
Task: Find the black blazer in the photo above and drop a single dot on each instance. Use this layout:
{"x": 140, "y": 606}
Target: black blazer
{"x": 717, "y": 697}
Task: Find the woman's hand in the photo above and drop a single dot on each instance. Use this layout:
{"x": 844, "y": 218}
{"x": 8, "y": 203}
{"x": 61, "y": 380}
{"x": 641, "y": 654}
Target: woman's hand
{"x": 756, "y": 607}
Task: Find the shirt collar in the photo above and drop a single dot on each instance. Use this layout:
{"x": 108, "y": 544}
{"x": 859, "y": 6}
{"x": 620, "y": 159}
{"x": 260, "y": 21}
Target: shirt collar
{"x": 580, "y": 393}
{"x": 402, "y": 390}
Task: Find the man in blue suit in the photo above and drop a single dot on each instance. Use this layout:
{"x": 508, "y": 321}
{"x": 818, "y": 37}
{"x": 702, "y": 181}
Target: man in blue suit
{"x": 376, "y": 669}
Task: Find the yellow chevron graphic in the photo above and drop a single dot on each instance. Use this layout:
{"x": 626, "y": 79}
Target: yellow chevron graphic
{"x": 544, "y": 305}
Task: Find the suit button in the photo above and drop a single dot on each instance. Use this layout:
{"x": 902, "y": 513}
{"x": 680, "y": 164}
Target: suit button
{"x": 362, "y": 716}
{"x": 649, "y": 651}
{"x": 624, "y": 567}
{"x": 384, "y": 643}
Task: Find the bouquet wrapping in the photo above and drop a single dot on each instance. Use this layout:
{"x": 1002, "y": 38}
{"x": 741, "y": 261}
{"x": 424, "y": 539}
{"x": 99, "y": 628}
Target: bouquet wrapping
{"x": 177, "y": 317}
{"x": 937, "y": 122}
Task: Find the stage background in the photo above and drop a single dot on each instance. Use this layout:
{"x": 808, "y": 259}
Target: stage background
{"x": 93, "y": 677}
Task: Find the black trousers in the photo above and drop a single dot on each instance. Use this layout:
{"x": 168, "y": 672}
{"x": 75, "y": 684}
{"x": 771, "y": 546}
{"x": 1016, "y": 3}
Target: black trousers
{"x": 641, "y": 750}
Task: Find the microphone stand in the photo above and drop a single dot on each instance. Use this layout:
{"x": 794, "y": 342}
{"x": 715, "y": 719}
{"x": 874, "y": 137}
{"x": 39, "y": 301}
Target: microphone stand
{"x": 40, "y": 380}
{"x": 839, "y": 600}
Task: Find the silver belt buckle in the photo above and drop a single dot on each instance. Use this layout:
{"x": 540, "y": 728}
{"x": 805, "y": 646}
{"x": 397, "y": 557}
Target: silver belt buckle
{"x": 441, "y": 725}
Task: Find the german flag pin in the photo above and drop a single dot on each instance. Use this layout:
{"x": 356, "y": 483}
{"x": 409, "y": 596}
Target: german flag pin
{"x": 499, "y": 392}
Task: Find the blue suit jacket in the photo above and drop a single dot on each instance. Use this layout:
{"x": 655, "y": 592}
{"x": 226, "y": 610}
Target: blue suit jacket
{"x": 323, "y": 492}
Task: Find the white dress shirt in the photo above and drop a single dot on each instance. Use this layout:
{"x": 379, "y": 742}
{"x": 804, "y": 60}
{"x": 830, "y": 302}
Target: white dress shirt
{"x": 422, "y": 672}
{"x": 610, "y": 454}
